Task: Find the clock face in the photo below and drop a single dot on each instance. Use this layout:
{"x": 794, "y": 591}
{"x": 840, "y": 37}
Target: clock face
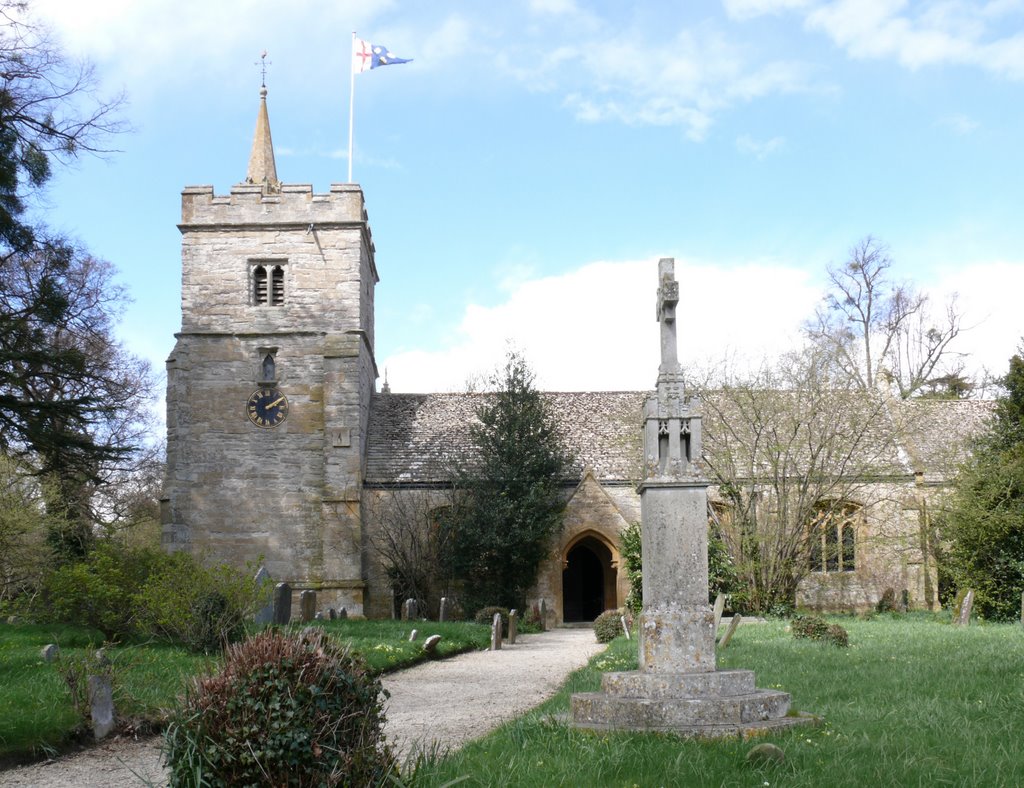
{"x": 267, "y": 407}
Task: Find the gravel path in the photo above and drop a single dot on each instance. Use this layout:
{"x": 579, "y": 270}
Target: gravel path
{"x": 447, "y": 703}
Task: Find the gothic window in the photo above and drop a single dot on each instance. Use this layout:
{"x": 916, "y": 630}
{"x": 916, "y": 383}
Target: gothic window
{"x": 267, "y": 284}
{"x": 832, "y": 537}
{"x": 259, "y": 283}
{"x": 277, "y": 286}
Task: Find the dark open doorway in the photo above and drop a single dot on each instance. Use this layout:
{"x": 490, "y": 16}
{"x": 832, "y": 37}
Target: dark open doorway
{"x": 586, "y": 579}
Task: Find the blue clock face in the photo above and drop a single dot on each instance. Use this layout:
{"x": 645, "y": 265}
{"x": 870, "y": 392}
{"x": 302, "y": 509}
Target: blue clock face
{"x": 267, "y": 407}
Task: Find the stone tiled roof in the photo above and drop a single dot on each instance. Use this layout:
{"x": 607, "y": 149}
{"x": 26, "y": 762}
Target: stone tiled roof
{"x": 941, "y": 432}
{"x": 419, "y": 438}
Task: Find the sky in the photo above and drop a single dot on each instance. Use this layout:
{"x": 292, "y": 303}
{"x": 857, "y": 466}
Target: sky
{"x": 524, "y": 173}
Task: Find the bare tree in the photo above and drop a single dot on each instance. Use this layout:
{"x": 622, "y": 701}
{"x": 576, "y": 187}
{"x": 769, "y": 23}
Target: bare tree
{"x": 406, "y": 533}
{"x": 790, "y": 448}
{"x": 872, "y": 327}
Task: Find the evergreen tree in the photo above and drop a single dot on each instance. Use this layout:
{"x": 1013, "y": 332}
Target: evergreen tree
{"x": 510, "y": 500}
{"x": 984, "y": 523}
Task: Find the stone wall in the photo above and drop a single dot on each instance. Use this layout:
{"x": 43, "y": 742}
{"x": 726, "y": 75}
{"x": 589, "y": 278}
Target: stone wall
{"x": 291, "y": 493}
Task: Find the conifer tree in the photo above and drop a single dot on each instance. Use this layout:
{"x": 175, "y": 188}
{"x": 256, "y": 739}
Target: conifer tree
{"x": 509, "y": 503}
{"x": 984, "y": 522}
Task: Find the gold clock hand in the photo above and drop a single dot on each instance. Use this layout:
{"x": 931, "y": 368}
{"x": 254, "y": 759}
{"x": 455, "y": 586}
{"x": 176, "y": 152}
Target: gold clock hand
{"x": 275, "y": 403}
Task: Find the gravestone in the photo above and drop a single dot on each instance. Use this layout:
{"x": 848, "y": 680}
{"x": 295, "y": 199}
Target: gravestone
{"x": 719, "y": 609}
{"x": 307, "y": 605}
{"x": 265, "y": 615}
{"x": 318, "y": 616}
{"x": 625, "y": 627}
{"x": 496, "y": 632}
{"x": 963, "y": 615}
{"x": 677, "y": 688}
{"x": 413, "y": 635}
{"x": 543, "y": 615}
{"x": 513, "y": 626}
{"x": 332, "y": 614}
{"x": 430, "y": 644}
{"x": 409, "y": 610}
{"x": 101, "y": 705}
{"x": 50, "y": 652}
{"x": 343, "y": 614}
{"x": 905, "y": 600}
{"x": 443, "y": 613}
{"x": 731, "y": 630}
{"x": 282, "y": 603}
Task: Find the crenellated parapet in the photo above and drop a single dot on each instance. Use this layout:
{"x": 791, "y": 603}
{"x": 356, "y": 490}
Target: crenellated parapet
{"x": 295, "y": 204}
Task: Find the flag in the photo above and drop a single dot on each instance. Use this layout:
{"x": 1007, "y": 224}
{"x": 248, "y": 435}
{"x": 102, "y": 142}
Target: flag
{"x": 366, "y": 56}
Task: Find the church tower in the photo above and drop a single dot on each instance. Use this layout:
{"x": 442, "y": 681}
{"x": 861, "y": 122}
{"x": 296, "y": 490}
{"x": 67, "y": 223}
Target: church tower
{"x": 270, "y": 380}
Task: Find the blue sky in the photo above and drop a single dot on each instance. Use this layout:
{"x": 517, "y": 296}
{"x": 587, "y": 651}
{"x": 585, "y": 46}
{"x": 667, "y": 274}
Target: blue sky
{"x": 525, "y": 172}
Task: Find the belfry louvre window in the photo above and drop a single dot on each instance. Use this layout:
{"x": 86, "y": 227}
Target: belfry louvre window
{"x": 832, "y": 537}
{"x": 267, "y": 285}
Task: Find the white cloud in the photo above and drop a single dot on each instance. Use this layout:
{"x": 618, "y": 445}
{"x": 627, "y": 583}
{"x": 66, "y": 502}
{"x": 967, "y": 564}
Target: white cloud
{"x": 758, "y": 148}
{"x": 594, "y": 328}
{"x": 959, "y": 124}
{"x": 749, "y": 9}
{"x": 684, "y": 82}
{"x": 988, "y": 294}
{"x": 951, "y": 32}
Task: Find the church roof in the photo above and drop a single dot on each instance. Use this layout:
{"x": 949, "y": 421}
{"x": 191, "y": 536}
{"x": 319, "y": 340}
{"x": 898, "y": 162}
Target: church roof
{"x": 419, "y": 438}
{"x": 262, "y": 169}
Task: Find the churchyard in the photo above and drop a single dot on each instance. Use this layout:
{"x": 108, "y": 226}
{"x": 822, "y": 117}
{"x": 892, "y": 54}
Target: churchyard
{"x": 37, "y": 713}
{"x": 912, "y": 700}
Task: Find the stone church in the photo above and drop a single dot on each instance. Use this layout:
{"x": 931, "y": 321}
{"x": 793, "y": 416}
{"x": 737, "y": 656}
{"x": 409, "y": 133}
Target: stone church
{"x": 280, "y": 445}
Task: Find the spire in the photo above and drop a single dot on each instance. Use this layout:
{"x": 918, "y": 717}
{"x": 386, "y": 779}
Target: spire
{"x": 262, "y": 170}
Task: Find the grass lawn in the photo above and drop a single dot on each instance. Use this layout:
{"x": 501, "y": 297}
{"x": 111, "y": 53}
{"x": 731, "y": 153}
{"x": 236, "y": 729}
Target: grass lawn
{"x": 36, "y": 714}
{"x": 912, "y": 702}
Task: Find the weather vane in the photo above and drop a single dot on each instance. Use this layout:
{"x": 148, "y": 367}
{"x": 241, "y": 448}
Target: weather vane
{"x": 263, "y": 63}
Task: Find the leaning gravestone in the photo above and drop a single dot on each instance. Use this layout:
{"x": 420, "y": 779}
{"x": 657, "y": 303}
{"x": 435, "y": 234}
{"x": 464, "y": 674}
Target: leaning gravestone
{"x": 430, "y": 644}
{"x": 282, "y": 603}
{"x": 513, "y": 626}
{"x": 50, "y": 652}
{"x": 733, "y": 626}
{"x": 719, "y": 609}
{"x": 625, "y": 627}
{"x": 265, "y": 615}
{"x": 496, "y": 632}
{"x": 101, "y": 705}
{"x": 413, "y": 635}
{"x": 677, "y": 688}
{"x": 307, "y": 605}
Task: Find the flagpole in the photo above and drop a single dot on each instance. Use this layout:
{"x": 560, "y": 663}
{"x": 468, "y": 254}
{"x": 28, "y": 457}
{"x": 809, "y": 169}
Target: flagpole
{"x": 351, "y": 100}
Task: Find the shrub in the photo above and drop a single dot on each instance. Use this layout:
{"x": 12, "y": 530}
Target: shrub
{"x": 838, "y": 636}
{"x": 817, "y": 628}
{"x": 608, "y": 625}
{"x": 97, "y": 590}
{"x": 201, "y": 606}
{"x": 285, "y": 710}
{"x": 485, "y": 615}
{"x": 887, "y": 602}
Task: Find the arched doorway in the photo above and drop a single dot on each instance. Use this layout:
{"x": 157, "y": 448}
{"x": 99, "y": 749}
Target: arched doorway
{"x": 588, "y": 580}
